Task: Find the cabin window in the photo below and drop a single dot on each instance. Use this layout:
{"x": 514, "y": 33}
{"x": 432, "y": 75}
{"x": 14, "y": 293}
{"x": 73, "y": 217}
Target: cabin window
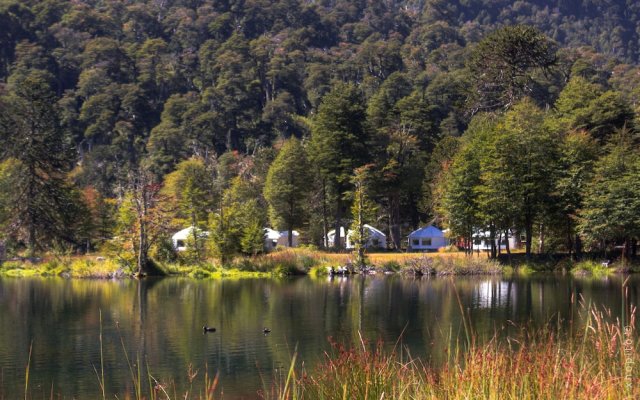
{"x": 375, "y": 242}
{"x": 180, "y": 243}
{"x": 426, "y": 242}
{"x": 415, "y": 242}
{"x": 274, "y": 243}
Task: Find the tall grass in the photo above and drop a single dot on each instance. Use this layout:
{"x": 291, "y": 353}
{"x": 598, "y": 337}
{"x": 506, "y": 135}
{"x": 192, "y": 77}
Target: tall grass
{"x": 539, "y": 364}
{"x": 544, "y": 363}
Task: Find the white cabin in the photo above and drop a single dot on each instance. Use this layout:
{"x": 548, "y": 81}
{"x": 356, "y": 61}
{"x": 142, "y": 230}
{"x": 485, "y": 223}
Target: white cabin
{"x": 283, "y": 240}
{"x": 482, "y": 241}
{"x": 273, "y": 239}
{"x": 181, "y": 238}
{"x": 427, "y": 238}
{"x": 376, "y": 238}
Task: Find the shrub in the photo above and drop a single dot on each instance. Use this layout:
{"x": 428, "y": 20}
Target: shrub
{"x": 391, "y": 266}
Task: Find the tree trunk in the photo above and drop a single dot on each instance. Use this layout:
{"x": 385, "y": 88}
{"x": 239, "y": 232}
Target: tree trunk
{"x": 32, "y": 215}
{"x": 570, "y": 240}
{"x": 508, "y": 247}
{"x": 142, "y": 205}
{"x": 290, "y": 238}
{"x": 626, "y": 249}
{"x": 528, "y": 231}
{"x": 337, "y": 243}
{"x": 492, "y": 237}
{"x": 194, "y": 231}
{"x": 541, "y": 240}
{"x": 517, "y": 236}
{"x": 578, "y": 246}
{"x": 394, "y": 220}
{"x": 142, "y": 250}
{"x": 325, "y": 222}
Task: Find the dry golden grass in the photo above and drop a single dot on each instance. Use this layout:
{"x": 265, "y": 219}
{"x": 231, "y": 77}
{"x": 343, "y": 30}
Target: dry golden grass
{"x": 381, "y": 258}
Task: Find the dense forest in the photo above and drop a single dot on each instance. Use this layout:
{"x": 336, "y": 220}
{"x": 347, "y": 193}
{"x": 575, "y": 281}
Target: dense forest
{"x": 124, "y": 121}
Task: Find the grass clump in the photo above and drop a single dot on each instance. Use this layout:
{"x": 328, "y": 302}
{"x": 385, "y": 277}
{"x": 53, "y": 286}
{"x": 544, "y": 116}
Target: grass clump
{"x": 288, "y": 261}
{"x": 471, "y": 266}
{"x": 591, "y": 268}
{"x": 391, "y": 266}
{"x": 444, "y": 266}
{"x": 66, "y": 267}
{"x": 319, "y": 271}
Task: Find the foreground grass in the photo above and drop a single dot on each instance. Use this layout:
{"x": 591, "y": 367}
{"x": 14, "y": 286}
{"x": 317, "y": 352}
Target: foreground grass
{"x": 599, "y": 363}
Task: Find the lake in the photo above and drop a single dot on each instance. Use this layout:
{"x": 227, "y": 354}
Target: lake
{"x": 158, "y": 323}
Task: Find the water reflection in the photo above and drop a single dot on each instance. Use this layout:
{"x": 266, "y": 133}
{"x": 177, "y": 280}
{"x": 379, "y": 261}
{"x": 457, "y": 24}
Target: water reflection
{"x": 159, "y": 323}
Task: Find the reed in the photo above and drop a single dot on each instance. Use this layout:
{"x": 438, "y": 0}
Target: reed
{"x": 533, "y": 364}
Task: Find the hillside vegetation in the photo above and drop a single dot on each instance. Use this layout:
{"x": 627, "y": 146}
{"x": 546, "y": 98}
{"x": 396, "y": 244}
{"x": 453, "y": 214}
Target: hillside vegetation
{"x": 124, "y": 121}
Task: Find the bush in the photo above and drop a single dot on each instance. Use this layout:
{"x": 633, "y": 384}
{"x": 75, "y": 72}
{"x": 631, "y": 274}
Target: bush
{"x": 591, "y": 268}
{"x": 391, "y": 266}
{"x": 419, "y": 266}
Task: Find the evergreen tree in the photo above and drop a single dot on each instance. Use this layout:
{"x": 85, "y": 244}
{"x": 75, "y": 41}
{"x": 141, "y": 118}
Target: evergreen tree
{"x": 30, "y": 131}
{"x": 339, "y": 143}
{"x": 287, "y": 188}
{"x": 503, "y": 63}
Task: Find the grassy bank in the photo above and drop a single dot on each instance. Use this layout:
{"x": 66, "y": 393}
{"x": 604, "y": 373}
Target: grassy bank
{"x": 302, "y": 261}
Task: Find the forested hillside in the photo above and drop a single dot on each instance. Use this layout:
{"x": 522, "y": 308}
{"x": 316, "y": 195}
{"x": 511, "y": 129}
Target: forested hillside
{"x": 118, "y": 114}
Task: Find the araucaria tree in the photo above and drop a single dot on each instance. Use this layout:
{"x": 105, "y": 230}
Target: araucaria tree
{"x": 44, "y": 206}
{"x": 503, "y": 65}
{"x": 287, "y": 187}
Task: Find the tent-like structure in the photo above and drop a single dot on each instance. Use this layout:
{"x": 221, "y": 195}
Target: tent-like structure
{"x": 181, "y": 238}
{"x": 427, "y": 238}
{"x": 376, "y": 238}
{"x": 271, "y": 238}
{"x": 283, "y": 240}
{"x": 482, "y": 241}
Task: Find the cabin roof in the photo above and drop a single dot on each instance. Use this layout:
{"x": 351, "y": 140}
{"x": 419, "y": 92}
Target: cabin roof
{"x": 427, "y": 231}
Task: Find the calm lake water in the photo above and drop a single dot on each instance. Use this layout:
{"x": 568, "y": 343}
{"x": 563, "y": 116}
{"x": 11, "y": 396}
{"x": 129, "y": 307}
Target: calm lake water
{"x": 159, "y": 323}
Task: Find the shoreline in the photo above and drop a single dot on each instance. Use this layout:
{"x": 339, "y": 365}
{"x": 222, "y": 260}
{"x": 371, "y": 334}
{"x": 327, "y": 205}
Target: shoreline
{"x": 302, "y": 262}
